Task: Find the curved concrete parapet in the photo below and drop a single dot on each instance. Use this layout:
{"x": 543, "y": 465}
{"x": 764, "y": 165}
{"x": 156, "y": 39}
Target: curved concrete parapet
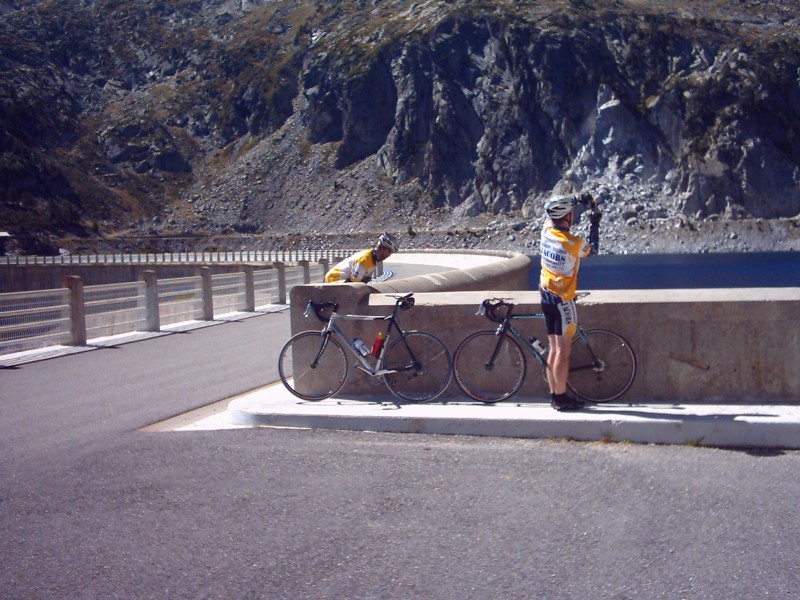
{"x": 474, "y": 270}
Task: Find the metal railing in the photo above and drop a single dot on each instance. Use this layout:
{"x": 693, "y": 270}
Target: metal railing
{"x": 115, "y": 308}
{"x": 180, "y": 300}
{"x": 75, "y": 313}
{"x": 34, "y": 320}
{"x": 266, "y": 285}
{"x": 228, "y": 291}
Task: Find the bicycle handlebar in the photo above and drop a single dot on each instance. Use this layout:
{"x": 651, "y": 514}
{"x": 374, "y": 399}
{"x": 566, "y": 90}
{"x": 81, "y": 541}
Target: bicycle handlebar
{"x": 318, "y": 307}
{"x": 490, "y": 306}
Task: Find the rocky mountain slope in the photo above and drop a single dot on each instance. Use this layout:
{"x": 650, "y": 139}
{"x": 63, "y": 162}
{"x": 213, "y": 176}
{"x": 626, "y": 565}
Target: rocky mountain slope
{"x": 138, "y": 124}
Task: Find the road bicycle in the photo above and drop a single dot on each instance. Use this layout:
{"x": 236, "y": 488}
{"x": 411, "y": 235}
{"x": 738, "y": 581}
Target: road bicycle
{"x": 490, "y": 366}
{"x": 416, "y": 366}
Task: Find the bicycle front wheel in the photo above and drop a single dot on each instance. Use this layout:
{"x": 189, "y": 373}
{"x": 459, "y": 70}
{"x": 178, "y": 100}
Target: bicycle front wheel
{"x": 488, "y": 379}
{"x": 422, "y": 367}
{"x": 312, "y": 366}
{"x": 602, "y": 368}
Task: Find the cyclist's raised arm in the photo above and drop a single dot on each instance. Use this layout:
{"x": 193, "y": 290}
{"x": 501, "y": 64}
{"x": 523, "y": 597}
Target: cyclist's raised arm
{"x": 594, "y": 228}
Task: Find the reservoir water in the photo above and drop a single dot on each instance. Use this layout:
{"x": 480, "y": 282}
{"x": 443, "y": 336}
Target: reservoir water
{"x": 682, "y": 271}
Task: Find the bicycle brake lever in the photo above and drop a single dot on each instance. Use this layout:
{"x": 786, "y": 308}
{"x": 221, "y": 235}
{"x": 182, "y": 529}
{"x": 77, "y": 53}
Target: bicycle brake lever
{"x": 481, "y": 310}
{"x": 308, "y": 310}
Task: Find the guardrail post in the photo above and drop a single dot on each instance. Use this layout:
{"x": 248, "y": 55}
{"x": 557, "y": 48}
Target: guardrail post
{"x": 208, "y": 294}
{"x": 77, "y": 309}
{"x": 151, "y": 300}
{"x": 306, "y": 271}
{"x": 249, "y": 289}
{"x": 326, "y": 266}
{"x": 281, "y": 268}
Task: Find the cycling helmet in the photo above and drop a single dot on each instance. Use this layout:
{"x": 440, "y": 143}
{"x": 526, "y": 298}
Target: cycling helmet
{"x": 559, "y": 206}
{"x": 388, "y": 242}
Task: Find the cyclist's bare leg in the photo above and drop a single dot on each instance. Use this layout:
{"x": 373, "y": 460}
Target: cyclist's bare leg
{"x": 558, "y": 362}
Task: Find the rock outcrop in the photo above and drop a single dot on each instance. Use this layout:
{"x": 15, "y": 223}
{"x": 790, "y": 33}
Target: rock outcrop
{"x": 286, "y": 116}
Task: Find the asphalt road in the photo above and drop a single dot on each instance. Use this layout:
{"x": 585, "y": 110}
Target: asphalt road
{"x": 90, "y": 507}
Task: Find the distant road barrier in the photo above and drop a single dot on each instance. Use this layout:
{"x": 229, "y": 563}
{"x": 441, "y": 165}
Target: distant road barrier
{"x": 284, "y": 256}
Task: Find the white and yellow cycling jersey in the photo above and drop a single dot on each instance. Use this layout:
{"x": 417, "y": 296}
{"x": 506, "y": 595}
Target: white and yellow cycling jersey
{"x": 355, "y": 268}
{"x": 561, "y": 252}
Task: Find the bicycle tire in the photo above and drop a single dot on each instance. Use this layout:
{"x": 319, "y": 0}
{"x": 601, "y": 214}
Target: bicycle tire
{"x": 484, "y": 382}
{"x": 308, "y": 382}
{"x": 426, "y": 380}
{"x": 610, "y": 376}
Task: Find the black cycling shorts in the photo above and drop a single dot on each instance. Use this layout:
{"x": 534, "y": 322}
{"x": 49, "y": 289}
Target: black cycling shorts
{"x": 560, "y": 317}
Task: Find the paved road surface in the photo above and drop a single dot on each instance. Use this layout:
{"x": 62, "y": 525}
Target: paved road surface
{"x": 92, "y": 508}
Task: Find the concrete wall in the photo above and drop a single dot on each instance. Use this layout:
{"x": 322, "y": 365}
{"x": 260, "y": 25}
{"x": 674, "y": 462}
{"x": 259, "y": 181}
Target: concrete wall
{"x": 716, "y": 345}
{"x": 733, "y": 345}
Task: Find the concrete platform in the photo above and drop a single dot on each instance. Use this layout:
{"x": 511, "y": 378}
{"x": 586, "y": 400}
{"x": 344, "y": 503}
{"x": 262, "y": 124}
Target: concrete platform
{"x": 773, "y": 426}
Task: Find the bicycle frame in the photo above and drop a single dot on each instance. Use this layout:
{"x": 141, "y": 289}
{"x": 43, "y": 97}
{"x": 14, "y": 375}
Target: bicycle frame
{"x": 331, "y": 327}
{"x": 376, "y": 370}
{"x": 506, "y": 326}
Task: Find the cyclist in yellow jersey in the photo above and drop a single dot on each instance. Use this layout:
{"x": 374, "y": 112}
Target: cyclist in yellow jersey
{"x": 361, "y": 265}
{"x": 561, "y": 252}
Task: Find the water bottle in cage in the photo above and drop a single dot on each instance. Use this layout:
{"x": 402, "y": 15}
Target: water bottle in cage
{"x": 361, "y": 347}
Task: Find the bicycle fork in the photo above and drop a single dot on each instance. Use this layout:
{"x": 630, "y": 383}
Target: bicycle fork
{"x": 499, "y": 332}
{"x": 326, "y": 334}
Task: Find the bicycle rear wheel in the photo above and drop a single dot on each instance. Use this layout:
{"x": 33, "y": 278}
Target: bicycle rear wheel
{"x": 603, "y": 369}
{"x": 312, "y": 366}
{"x": 482, "y": 378}
{"x": 423, "y": 367}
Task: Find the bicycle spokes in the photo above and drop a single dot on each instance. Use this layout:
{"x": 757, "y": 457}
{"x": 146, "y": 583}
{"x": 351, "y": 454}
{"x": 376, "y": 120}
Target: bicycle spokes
{"x": 420, "y": 367}
{"x": 602, "y": 366}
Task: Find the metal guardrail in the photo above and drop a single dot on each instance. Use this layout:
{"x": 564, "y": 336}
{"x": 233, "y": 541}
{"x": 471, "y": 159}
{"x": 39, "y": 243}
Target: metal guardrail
{"x": 180, "y": 299}
{"x": 265, "y": 284}
{"x": 75, "y": 313}
{"x": 34, "y": 320}
{"x": 115, "y": 308}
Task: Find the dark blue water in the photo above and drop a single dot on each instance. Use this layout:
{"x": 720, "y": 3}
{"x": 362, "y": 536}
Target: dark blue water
{"x": 666, "y": 271}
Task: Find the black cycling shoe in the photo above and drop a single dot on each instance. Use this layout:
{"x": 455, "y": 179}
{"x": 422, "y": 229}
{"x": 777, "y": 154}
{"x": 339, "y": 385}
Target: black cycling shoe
{"x": 566, "y": 403}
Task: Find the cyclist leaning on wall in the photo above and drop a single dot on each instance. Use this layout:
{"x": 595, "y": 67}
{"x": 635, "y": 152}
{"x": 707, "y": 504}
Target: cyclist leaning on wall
{"x": 361, "y": 265}
{"x": 561, "y": 252}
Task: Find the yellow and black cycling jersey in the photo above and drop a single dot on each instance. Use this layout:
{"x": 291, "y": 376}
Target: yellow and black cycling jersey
{"x": 561, "y": 252}
{"x": 355, "y": 268}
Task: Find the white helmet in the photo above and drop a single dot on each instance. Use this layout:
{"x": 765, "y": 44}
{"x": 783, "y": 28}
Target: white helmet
{"x": 559, "y": 206}
{"x": 388, "y": 242}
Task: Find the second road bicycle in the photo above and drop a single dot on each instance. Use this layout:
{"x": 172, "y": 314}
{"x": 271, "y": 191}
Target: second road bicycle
{"x": 490, "y": 366}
